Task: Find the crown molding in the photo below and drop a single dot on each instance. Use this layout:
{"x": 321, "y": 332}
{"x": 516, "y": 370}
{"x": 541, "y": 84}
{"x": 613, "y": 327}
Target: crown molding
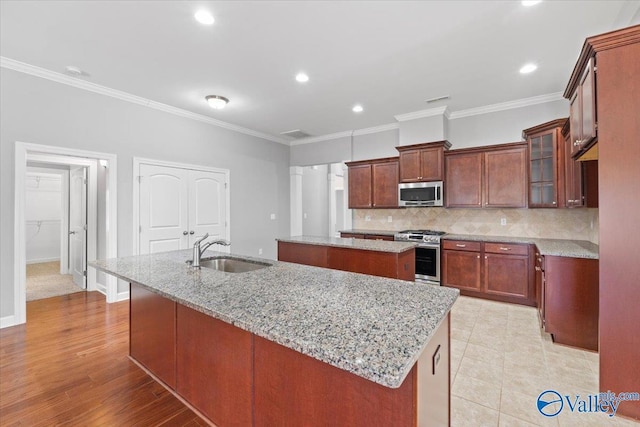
{"x": 439, "y": 111}
{"x": 518, "y": 103}
{"x": 376, "y": 129}
{"x": 33, "y": 70}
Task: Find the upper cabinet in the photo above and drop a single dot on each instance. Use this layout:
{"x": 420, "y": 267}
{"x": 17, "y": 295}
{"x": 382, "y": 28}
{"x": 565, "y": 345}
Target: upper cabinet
{"x": 546, "y": 164}
{"x": 582, "y": 110}
{"x": 373, "y": 183}
{"x": 492, "y": 177}
{"x": 422, "y": 162}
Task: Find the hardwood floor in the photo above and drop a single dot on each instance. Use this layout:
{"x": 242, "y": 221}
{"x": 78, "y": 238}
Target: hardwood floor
{"x": 69, "y": 365}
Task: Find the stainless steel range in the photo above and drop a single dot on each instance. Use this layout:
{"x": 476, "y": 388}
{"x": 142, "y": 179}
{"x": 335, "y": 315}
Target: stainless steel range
{"x": 427, "y": 253}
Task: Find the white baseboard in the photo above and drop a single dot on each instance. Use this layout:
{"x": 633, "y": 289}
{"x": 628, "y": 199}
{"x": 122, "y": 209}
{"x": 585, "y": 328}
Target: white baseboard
{"x": 7, "y": 321}
{"x": 101, "y": 288}
{"x": 38, "y": 261}
{"x": 123, "y": 296}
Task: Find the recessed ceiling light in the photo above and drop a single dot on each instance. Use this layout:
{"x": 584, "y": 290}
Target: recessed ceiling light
{"x": 357, "y": 108}
{"x": 528, "y": 3}
{"x": 302, "y": 77}
{"x": 204, "y": 17}
{"x": 528, "y": 68}
{"x": 217, "y": 102}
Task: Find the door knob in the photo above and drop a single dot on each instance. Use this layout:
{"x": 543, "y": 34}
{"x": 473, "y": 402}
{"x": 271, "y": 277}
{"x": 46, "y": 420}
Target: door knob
{"x": 184, "y": 233}
{"x": 192, "y": 232}
{"x": 72, "y": 232}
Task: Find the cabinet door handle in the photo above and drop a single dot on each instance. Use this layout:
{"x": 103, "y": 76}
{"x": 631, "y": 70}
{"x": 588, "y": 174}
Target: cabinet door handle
{"x": 502, "y": 248}
{"x": 458, "y": 245}
{"x": 478, "y": 256}
{"x": 486, "y": 257}
{"x": 537, "y": 254}
{"x": 192, "y": 232}
{"x": 538, "y": 268}
{"x": 184, "y": 233}
{"x": 553, "y": 203}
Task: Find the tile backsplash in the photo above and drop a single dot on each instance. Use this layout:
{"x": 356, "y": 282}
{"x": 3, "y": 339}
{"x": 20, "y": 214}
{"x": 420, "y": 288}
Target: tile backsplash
{"x": 574, "y": 224}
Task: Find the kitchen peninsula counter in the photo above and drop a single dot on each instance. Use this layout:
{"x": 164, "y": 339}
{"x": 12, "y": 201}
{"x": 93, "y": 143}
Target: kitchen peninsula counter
{"x": 372, "y": 327}
{"x": 367, "y": 245}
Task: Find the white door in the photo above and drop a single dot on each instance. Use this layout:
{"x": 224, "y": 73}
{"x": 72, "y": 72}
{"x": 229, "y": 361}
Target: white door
{"x": 164, "y": 210}
{"x": 78, "y": 225}
{"x": 207, "y": 206}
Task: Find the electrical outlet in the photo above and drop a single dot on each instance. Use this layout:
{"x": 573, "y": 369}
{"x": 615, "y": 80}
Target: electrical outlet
{"x": 503, "y": 221}
{"x": 389, "y": 218}
{"x": 367, "y": 218}
{"x": 273, "y": 216}
{"x": 260, "y": 251}
{"x": 304, "y": 215}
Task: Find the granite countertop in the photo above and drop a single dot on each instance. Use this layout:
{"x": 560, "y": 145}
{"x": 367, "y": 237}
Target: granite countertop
{"x": 364, "y": 231}
{"x": 367, "y": 245}
{"x": 552, "y": 247}
{"x": 371, "y": 326}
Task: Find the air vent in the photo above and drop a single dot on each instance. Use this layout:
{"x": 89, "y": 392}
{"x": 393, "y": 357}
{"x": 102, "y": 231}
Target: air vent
{"x": 436, "y": 99}
{"x": 295, "y": 134}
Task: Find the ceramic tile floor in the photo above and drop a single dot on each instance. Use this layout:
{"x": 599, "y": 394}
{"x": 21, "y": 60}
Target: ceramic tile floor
{"x": 501, "y": 361}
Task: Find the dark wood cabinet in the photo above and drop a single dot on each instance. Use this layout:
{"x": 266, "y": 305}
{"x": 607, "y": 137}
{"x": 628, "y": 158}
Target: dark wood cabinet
{"x": 214, "y": 367}
{"x": 360, "y": 182}
{"x": 570, "y": 300}
{"x": 505, "y": 184}
{"x": 573, "y": 193}
{"x": 377, "y": 263}
{"x": 493, "y": 177}
{"x": 422, "y": 162}
{"x": 497, "y": 271}
{"x": 373, "y": 183}
{"x": 507, "y": 270}
{"x": 582, "y": 110}
{"x": 463, "y": 182}
{"x": 461, "y": 265}
{"x": 152, "y": 333}
{"x": 546, "y": 164}
{"x": 617, "y": 55}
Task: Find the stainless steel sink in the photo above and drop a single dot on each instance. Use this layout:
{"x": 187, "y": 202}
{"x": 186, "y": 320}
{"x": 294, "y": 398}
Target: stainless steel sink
{"x": 232, "y": 265}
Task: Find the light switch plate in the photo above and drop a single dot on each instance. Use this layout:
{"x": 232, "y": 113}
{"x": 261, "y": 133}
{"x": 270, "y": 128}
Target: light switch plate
{"x": 503, "y": 221}
{"x": 273, "y": 216}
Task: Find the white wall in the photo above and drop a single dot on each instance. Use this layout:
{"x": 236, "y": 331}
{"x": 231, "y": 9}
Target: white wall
{"x": 43, "y": 215}
{"x": 40, "y": 111}
{"x": 483, "y": 129}
{"x": 315, "y": 201}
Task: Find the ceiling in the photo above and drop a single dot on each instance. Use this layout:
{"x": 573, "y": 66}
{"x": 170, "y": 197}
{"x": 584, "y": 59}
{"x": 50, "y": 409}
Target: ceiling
{"x": 387, "y": 56}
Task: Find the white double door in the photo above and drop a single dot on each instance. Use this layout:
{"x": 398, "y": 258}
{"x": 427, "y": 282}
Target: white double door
{"x": 179, "y": 206}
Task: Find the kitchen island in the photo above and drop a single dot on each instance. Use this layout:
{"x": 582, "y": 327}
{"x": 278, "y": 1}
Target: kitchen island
{"x": 290, "y": 344}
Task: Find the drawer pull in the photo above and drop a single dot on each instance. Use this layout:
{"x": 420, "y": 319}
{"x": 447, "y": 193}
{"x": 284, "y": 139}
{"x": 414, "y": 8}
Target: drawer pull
{"x": 502, "y": 248}
{"x": 458, "y": 245}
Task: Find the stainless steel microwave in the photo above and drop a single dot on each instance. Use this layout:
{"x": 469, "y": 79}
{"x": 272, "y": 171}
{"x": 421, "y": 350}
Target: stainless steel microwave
{"x": 420, "y": 194}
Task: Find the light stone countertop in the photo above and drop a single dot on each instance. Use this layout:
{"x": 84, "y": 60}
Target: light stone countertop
{"x": 552, "y": 247}
{"x": 351, "y": 243}
{"x": 365, "y": 231}
{"x": 371, "y": 326}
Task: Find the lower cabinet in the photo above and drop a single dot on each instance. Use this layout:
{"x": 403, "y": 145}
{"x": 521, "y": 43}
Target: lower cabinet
{"x": 384, "y": 264}
{"x": 367, "y": 236}
{"x": 152, "y": 333}
{"x": 214, "y": 362}
{"x": 570, "y": 298}
{"x": 497, "y": 271}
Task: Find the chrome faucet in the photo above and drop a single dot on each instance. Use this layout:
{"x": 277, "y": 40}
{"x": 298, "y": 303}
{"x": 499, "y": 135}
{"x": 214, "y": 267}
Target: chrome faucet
{"x": 199, "y": 249}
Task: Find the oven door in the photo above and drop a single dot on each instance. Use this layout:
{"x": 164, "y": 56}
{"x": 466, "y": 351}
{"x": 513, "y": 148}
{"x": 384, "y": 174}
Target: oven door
{"x": 428, "y": 263}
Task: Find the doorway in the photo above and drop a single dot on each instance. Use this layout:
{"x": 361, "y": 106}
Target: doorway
{"x": 47, "y": 209}
{"x": 91, "y": 237}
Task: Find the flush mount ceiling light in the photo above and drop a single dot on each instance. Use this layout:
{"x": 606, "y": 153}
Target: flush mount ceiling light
{"x": 357, "y": 108}
{"x": 216, "y": 102}
{"x": 528, "y": 3}
{"x": 528, "y": 68}
{"x": 302, "y": 77}
{"x": 204, "y": 17}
